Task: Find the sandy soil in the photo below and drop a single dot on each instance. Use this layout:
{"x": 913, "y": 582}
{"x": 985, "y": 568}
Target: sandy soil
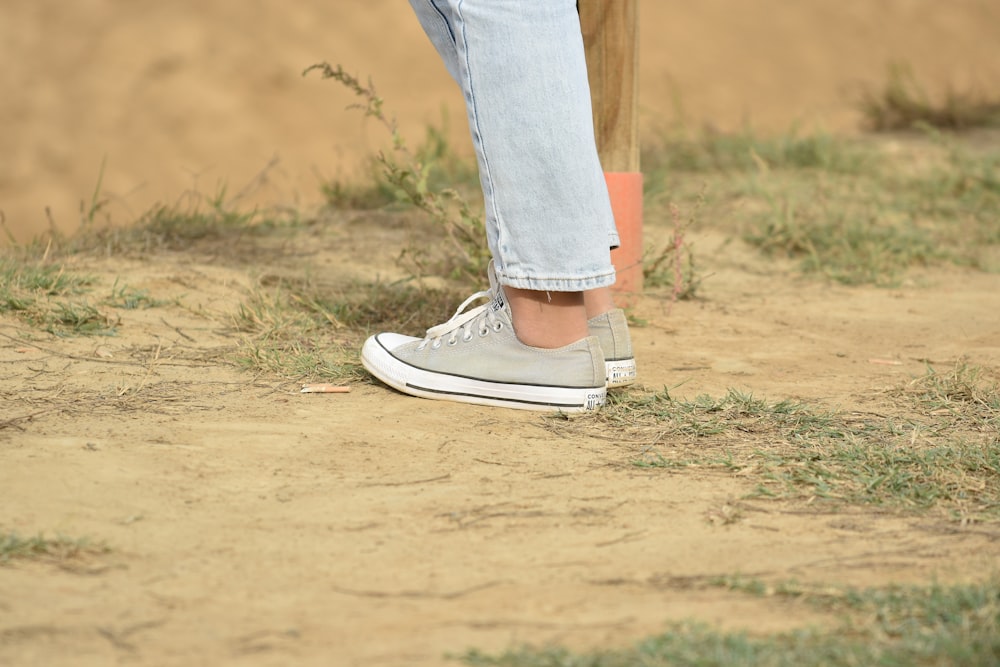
{"x": 253, "y": 525}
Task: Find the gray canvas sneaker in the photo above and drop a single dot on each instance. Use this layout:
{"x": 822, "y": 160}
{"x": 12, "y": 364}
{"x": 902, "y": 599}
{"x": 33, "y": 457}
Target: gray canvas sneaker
{"x": 475, "y": 357}
{"x": 611, "y": 329}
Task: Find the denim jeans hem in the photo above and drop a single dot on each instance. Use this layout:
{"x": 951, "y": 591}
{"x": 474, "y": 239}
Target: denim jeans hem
{"x": 557, "y": 284}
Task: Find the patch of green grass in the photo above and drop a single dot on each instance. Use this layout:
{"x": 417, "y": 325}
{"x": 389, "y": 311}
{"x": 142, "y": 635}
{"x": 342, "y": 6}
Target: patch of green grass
{"x": 49, "y": 297}
{"x": 873, "y": 228}
{"x": 963, "y": 395}
{"x": 52, "y": 298}
{"x": 635, "y": 412}
{"x": 176, "y": 226}
{"x": 22, "y": 279}
{"x": 903, "y": 104}
{"x": 899, "y": 625}
{"x": 130, "y": 298}
{"x": 74, "y": 319}
{"x": 193, "y": 219}
{"x": 15, "y": 547}
{"x": 959, "y": 476}
{"x": 855, "y": 211}
{"x": 287, "y": 335}
{"x": 299, "y": 358}
{"x": 295, "y": 328}
{"x": 956, "y": 198}
{"x": 936, "y": 449}
{"x": 709, "y": 152}
{"x": 850, "y": 240}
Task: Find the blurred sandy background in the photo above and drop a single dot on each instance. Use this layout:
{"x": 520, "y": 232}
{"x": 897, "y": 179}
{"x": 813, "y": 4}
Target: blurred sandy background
{"x": 193, "y": 94}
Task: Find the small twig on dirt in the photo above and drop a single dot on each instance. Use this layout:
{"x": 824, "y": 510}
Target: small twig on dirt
{"x": 16, "y": 421}
{"x": 493, "y": 624}
{"x": 86, "y": 571}
{"x": 416, "y": 594}
{"x": 150, "y": 368}
{"x": 118, "y": 638}
{"x": 416, "y": 481}
{"x": 324, "y": 388}
{"x": 56, "y": 353}
{"x": 115, "y": 362}
{"x": 521, "y": 514}
{"x": 492, "y": 463}
{"x": 627, "y": 537}
{"x": 179, "y": 332}
{"x": 115, "y": 640}
{"x": 255, "y": 183}
{"x": 264, "y": 640}
{"x": 885, "y": 362}
{"x": 678, "y": 245}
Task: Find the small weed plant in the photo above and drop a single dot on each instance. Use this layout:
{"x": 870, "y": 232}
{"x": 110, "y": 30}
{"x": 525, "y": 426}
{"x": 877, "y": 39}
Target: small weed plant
{"x": 674, "y": 266}
{"x": 903, "y": 104}
{"x": 465, "y": 251}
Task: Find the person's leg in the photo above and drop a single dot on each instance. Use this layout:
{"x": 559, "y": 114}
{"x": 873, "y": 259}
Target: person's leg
{"x": 522, "y": 70}
{"x": 521, "y": 67}
{"x": 598, "y": 301}
{"x": 553, "y": 60}
{"x": 534, "y": 323}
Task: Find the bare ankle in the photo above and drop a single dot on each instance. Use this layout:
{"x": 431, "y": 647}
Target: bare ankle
{"x": 547, "y": 319}
{"x": 598, "y": 301}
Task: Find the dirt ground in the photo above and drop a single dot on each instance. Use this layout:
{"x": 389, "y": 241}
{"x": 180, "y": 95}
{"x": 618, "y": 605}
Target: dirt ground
{"x": 250, "y": 524}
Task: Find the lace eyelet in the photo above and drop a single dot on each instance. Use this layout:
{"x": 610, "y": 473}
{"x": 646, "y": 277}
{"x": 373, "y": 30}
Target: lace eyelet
{"x": 498, "y": 326}
{"x": 436, "y": 345}
{"x": 452, "y": 342}
{"x": 467, "y": 337}
{"x": 483, "y": 332}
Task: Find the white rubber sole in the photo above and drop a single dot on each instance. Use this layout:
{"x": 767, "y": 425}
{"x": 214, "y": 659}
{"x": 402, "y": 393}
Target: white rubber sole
{"x": 620, "y": 373}
{"x": 444, "y": 387}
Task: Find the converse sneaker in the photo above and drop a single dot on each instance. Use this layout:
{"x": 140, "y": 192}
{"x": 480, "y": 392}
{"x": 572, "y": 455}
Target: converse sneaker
{"x": 611, "y": 329}
{"x": 475, "y": 357}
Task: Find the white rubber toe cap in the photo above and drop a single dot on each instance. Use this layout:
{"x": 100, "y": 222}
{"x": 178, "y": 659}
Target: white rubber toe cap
{"x": 390, "y": 341}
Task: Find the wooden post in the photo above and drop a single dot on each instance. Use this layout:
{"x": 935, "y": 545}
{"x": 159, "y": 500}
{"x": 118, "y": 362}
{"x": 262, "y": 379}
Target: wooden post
{"x": 610, "y": 35}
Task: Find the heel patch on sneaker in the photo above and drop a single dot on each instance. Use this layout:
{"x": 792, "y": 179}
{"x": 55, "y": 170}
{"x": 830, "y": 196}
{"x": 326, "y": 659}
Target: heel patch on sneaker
{"x": 620, "y": 372}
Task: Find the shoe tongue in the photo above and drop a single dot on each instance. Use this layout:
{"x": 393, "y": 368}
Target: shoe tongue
{"x": 491, "y": 273}
{"x": 499, "y": 303}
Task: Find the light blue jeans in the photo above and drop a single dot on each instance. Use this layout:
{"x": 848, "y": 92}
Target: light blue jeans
{"x": 521, "y": 67}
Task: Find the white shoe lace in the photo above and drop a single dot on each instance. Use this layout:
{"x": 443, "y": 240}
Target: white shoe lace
{"x": 480, "y": 320}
